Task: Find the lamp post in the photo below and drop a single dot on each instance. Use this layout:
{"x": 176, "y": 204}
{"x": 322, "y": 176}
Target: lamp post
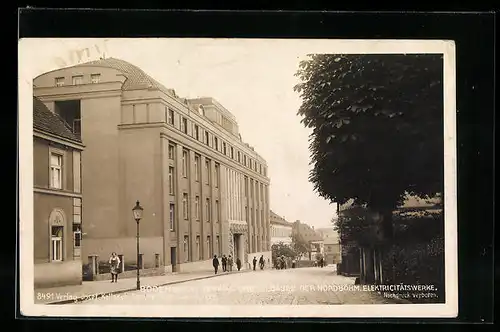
{"x": 137, "y": 210}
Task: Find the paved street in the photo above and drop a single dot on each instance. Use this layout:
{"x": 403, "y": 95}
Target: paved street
{"x": 292, "y": 286}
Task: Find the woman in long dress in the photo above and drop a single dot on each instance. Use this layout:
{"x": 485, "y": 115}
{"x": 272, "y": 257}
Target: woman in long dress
{"x": 114, "y": 264}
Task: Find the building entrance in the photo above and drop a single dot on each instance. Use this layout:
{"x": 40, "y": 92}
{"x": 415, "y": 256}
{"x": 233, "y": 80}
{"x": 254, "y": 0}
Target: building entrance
{"x": 173, "y": 258}
{"x": 239, "y": 249}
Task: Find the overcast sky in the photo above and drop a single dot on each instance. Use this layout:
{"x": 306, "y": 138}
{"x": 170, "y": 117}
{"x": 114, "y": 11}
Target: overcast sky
{"x": 253, "y": 79}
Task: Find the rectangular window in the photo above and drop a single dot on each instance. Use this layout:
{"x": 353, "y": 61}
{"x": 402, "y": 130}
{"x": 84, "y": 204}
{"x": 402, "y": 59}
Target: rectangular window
{"x": 217, "y": 211}
{"x": 216, "y": 175}
{"x": 57, "y": 243}
{"x": 56, "y": 171}
{"x": 197, "y": 168}
{"x": 198, "y": 247}
{"x": 224, "y": 150}
{"x": 216, "y": 143}
{"x": 232, "y": 153}
{"x": 171, "y": 180}
{"x": 209, "y": 246}
{"x": 207, "y": 138}
{"x": 77, "y": 80}
{"x": 59, "y": 81}
{"x": 171, "y": 152}
{"x": 245, "y": 160}
{"x": 172, "y": 216}
{"x": 207, "y": 171}
{"x": 184, "y": 163}
{"x": 246, "y": 186}
{"x": 184, "y": 126}
{"x": 95, "y": 78}
{"x": 207, "y": 209}
{"x": 77, "y": 126}
{"x": 197, "y": 132}
{"x": 170, "y": 117}
{"x": 185, "y": 206}
{"x": 219, "y": 249}
{"x": 186, "y": 247}
{"x": 239, "y": 157}
{"x": 197, "y": 207}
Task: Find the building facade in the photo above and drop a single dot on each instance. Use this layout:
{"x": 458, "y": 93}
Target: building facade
{"x": 204, "y": 191}
{"x": 57, "y": 196}
{"x": 331, "y": 243}
{"x": 307, "y": 235}
{"x": 281, "y": 230}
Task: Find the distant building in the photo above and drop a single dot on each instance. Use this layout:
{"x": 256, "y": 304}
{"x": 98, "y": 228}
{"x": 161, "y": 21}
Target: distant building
{"x": 57, "y": 199}
{"x": 281, "y": 230}
{"x": 331, "y": 242}
{"x": 204, "y": 191}
{"x": 308, "y": 235}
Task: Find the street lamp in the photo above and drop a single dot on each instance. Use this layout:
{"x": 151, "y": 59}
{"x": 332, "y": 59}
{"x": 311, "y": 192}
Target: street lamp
{"x": 137, "y": 210}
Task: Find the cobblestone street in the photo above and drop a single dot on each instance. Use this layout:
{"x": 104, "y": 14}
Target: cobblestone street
{"x": 284, "y": 287}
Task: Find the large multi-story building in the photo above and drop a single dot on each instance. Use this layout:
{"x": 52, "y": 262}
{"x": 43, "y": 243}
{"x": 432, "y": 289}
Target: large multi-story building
{"x": 57, "y": 200}
{"x": 204, "y": 191}
{"x": 281, "y": 230}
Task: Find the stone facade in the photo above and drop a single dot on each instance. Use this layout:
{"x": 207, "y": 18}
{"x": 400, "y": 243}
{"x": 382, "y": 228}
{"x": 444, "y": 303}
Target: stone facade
{"x": 184, "y": 160}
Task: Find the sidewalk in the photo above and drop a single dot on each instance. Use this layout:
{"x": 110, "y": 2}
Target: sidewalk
{"x": 95, "y": 289}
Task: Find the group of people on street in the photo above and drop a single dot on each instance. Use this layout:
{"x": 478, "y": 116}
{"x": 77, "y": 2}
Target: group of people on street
{"x": 320, "y": 262}
{"x": 280, "y": 263}
{"x": 261, "y": 262}
{"x": 227, "y": 263}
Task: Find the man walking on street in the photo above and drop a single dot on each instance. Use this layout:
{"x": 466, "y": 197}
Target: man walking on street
{"x": 224, "y": 263}
{"x": 230, "y": 263}
{"x": 215, "y": 263}
{"x": 254, "y": 262}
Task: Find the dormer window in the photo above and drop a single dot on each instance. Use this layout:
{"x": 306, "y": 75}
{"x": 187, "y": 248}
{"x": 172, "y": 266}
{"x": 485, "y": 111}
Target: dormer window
{"x": 59, "y": 81}
{"x": 95, "y": 78}
{"x": 77, "y": 80}
{"x": 201, "y": 110}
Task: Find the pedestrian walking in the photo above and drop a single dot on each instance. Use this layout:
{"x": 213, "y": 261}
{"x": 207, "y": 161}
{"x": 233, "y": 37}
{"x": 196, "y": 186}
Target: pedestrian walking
{"x": 215, "y": 263}
{"x": 238, "y": 263}
{"x": 261, "y": 262}
{"x": 224, "y": 263}
{"x": 114, "y": 265}
{"x": 230, "y": 263}
{"x": 254, "y": 262}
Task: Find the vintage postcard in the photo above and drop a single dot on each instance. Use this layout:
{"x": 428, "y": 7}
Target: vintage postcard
{"x": 237, "y": 178}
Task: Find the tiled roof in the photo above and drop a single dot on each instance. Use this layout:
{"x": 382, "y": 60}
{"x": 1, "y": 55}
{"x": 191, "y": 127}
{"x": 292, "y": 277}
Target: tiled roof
{"x": 276, "y": 219}
{"x": 45, "y": 120}
{"x": 136, "y": 77}
{"x": 306, "y": 232}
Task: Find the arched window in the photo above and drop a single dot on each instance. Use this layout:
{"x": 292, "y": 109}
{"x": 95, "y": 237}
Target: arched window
{"x": 57, "y": 222}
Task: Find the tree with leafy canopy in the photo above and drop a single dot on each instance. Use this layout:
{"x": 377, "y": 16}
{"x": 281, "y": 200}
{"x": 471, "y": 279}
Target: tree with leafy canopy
{"x": 299, "y": 246}
{"x": 377, "y": 127}
{"x": 281, "y": 249}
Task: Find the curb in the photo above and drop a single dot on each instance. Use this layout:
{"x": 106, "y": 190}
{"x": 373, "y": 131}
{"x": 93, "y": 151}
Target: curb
{"x": 100, "y": 295}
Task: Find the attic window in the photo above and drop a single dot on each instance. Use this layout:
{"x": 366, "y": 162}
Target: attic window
{"x": 77, "y": 80}
{"x": 95, "y": 78}
{"x": 59, "y": 81}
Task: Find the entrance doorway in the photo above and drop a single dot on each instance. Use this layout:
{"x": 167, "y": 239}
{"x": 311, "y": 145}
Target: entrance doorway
{"x": 173, "y": 258}
{"x": 238, "y": 247}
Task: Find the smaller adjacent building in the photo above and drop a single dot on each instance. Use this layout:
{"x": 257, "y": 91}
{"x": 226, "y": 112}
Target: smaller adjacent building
{"x": 308, "y": 235}
{"x": 331, "y": 243}
{"x": 57, "y": 196}
{"x": 281, "y": 230}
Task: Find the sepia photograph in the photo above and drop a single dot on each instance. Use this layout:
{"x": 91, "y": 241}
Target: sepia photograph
{"x": 164, "y": 177}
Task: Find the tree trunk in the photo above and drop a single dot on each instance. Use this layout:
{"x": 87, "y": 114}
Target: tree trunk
{"x": 369, "y": 273}
{"x": 387, "y": 226}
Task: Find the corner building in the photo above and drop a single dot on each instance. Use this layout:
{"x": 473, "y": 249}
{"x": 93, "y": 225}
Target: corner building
{"x": 204, "y": 191}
